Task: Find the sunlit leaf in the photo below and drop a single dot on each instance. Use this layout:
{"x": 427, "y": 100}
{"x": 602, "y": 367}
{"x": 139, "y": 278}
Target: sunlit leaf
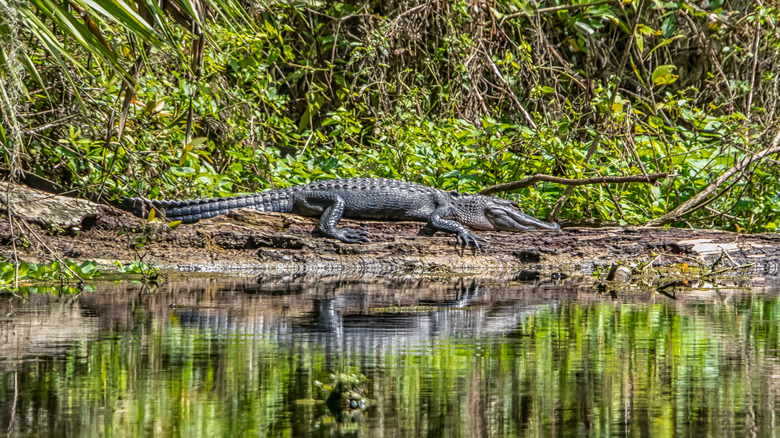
{"x": 664, "y": 74}
{"x": 197, "y": 141}
{"x": 182, "y": 170}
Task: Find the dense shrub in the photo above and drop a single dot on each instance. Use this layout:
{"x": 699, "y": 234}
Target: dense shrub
{"x": 457, "y": 95}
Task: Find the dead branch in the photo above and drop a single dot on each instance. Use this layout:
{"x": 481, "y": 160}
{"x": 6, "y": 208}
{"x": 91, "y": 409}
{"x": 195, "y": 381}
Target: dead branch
{"x": 699, "y": 200}
{"x": 49, "y": 125}
{"x": 508, "y": 88}
{"x": 756, "y": 42}
{"x": 533, "y": 179}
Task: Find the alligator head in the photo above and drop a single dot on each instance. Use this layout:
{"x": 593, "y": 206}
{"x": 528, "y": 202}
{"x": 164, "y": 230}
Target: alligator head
{"x": 491, "y": 213}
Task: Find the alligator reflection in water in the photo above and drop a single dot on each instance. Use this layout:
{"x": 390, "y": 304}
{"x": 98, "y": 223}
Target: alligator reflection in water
{"x": 350, "y": 315}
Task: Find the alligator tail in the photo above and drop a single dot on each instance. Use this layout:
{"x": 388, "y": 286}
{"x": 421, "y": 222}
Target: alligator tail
{"x": 193, "y": 210}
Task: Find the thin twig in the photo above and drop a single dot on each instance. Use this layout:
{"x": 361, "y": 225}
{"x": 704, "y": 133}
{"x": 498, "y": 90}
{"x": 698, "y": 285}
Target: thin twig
{"x": 473, "y": 83}
{"x": 531, "y": 180}
{"x": 49, "y": 125}
{"x": 9, "y": 211}
{"x": 411, "y": 10}
{"x": 558, "y": 8}
{"x": 712, "y": 55}
{"x": 52, "y": 252}
{"x": 508, "y": 88}
{"x": 729, "y": 269}
{"x": 652, "y": 261}
{"x": 721, "y": 214}
{"x": 565, "y": 73}
{"x": 756, "y": 43}
{"x": 726, "y": 253}
{"x": 13, "y": 408}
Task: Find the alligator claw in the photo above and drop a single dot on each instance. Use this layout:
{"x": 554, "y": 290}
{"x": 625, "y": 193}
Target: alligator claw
{"x": 468, "y": 239}
{"x": 348, "y": 235}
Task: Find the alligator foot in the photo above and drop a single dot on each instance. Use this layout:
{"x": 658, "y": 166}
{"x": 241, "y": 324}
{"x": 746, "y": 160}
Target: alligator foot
{"x": 349, "y": 235}
{"x": 467, "y": 240}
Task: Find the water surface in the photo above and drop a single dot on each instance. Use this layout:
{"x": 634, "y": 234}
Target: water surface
{"x": 448, "y": 357}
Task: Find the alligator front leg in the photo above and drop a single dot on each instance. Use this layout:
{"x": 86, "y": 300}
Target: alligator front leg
{"x": 332, "y": 208}
{"x": 465, "y": 237}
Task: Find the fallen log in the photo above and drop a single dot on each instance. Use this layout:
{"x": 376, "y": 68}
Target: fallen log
{"x": 248, "y": 241}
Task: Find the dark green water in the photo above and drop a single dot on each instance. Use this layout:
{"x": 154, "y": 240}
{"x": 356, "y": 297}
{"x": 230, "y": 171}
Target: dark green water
{"x": 441, "y": 358}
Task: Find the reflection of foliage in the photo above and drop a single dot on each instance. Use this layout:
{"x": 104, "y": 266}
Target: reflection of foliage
{"x": 643, "y": 368}
{"x": 346, "y": 397}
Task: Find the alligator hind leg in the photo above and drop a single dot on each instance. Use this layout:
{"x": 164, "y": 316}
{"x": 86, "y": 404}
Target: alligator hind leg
{"x": 332, "y": 208}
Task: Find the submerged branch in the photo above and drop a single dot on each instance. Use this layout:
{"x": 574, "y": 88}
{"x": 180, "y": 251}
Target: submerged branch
{"x": 533, "y": 179}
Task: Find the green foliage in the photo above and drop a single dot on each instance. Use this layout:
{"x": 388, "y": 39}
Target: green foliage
{"x": 458, "y": 98}
{"x": 54, "y": 271}
{"x": 41, "y": 275}
{"x": 21, "y": 278}
{"x": 64, "y": 289}
{"x": 136, "y": 267}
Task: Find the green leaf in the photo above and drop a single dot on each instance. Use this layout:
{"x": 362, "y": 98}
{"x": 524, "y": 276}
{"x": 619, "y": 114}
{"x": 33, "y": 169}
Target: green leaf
{"x": 24, "y": 268}
{"x": 669, "y": 25}
{"x": 182, "y": 170}
{"x": 89, "y": 268}
{"x": 640, "y": 41}
{"x": 7, "y": 277}
{"x": 197, "y": 141}
{"x": 664, "y": 74}
{"x": 270, "y": 29}
{"x": 665, "y": 42}
{"x": 124, "y": 15}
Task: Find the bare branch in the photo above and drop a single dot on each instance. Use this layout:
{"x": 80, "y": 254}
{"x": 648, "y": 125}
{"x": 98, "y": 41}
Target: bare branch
{"x": 560, "y": 8}
{"x": 508, "y": 88}
{"x": 49, "y": 125}
{"x": 756, "y": 43}
{"x": 533, "y": 179}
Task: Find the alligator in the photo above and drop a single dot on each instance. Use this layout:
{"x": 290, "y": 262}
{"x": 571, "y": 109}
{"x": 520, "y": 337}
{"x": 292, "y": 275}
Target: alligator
{"x": 367, "y": 198}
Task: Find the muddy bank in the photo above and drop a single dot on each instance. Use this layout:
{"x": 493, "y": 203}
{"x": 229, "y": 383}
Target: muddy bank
{"x": 274, "y": 242}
